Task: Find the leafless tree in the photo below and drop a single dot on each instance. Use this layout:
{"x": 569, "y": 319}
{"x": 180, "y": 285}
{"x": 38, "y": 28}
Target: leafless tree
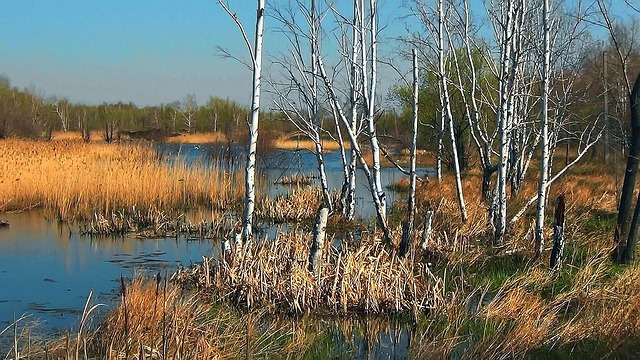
{"x": 256, "y": 66}
{"x": 61, "y": 108}
{"x": 188, "y": 109}
{"x": 297, "y": 96}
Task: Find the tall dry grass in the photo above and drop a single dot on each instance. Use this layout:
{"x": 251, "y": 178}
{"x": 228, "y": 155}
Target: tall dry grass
{"x": 503, "y": 303}
{"x": 294, "y": 143}
{"x": 274, "y": 275}
{"x": 74, "y": 180}
{"x": 197, "y": 138}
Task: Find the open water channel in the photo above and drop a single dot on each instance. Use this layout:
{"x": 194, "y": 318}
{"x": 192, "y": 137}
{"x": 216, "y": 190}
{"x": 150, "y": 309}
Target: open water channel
{"x": 47, "y": 269}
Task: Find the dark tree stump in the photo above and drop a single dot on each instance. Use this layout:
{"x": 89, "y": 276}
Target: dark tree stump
{"x": 555, "y": 262}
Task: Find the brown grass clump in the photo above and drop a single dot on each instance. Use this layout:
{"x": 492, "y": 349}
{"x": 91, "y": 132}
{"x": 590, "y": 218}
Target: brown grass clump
{"x": 296, "y": 180}
{"x": 275, "y": 275}
{"x": 155, "y": 321}
{"x": 74, "y": 180}
{"x": 75, "y": 136}
{"x": 290, "y": 142}
{"x": 299, "y": 204}
{"x": 199, "y": 138}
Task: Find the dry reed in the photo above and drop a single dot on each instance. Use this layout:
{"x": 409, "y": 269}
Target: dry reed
{"x": 274, "y": 274}
{"x": 197, "y": 138}
{"x": 74, "y": 180}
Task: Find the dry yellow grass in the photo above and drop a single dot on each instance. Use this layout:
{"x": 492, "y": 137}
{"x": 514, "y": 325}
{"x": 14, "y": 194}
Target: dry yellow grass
{"x": 199, "y": 138}
{"x": 75, "y": 135}
{"x": 274, "y": 275}
{"x": 293, "y": 143}
{"x": 299, "y": 204}
{"x": 75, "y": 180}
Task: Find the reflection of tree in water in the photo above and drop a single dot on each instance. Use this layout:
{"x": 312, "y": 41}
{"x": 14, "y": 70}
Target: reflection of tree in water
{"x": 289, "y": 161}
{"x": 361, "y": 337}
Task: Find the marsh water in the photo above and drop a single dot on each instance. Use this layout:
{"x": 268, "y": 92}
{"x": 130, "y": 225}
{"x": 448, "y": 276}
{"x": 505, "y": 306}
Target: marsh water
{"x": 47, "y": 269}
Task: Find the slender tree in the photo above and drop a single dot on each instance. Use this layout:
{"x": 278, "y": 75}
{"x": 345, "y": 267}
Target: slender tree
{"x": 407, "y": 231}
{"x": 544, "y": 129}
{"x": 445, "y": 108}
{"x": 250, "y": 166}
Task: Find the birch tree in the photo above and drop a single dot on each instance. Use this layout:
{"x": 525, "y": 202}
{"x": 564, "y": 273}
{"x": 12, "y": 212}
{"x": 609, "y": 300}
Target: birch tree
{"x": 407, "y": 231}
{"x": 300, "y": 84}
{"x": 255, "y": 52}
{"x": 188, "y": 110}
{"x": 445, "y": 105}
{"x": 61, "y": 108}
{"x": 544, "y": 127}
{"x": 561, "y": 99}
{"x": 369, "y": 83}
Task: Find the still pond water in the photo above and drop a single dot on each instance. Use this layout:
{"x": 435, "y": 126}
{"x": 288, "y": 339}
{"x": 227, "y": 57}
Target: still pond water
{"x": 47, "y": 269}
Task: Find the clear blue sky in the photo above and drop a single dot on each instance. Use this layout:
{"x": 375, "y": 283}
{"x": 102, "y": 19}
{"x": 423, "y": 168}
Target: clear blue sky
{"x": 145, "y": 51}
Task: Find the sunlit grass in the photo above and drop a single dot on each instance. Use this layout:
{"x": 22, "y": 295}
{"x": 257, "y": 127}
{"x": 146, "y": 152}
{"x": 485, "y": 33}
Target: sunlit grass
{"x": 74, "y": 180}
{"x": 302, "y": 142}
{"x": 274, "y": 275}
{"x": 197, "y": 138}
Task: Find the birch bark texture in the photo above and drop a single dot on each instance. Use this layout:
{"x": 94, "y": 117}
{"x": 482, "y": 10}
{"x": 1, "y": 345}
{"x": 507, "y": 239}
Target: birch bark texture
{"x": 255, "y": 52}
{"x": 445, "y": 107}
{"x": 544, "y": 129}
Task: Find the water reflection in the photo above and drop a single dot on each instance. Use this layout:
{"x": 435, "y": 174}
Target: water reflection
{"x": 281, "y": 163}
{"x": 48, "y": 271}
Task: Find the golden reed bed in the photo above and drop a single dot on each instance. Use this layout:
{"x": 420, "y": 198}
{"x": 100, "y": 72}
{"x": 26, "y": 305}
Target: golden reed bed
{"x": 74, "y": 179}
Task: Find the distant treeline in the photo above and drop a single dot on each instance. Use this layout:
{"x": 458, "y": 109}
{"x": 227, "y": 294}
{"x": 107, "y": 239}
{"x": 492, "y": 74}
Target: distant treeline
{"x": 24, "y": 113}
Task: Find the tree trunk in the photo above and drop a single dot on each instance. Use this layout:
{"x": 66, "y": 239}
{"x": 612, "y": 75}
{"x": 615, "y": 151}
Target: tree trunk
{"x": 440, "y": 147}
{"x": 606, "y": 108}
{"x": 350, "y": 175}
{"x": 427, "y": 230}
{"x": 622, "y": 231}
{"x": 319, "y": 234}
{"x": 505, "y": 113}
{"x": 446, "y": 108}
{"x": 624, "y": 237}
{"x": 407, "y": 228}
{"x": 369, "y": 91}
{"x": 250, "y": 166}
{"x": 558, "y": 234}
{"x": 324, "y": 184}
{"x": 544, "y": 138}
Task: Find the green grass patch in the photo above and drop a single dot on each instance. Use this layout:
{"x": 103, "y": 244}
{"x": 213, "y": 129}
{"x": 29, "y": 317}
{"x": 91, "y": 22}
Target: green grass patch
{"x": 496, "y": 270}
{"x": 601, "y": 222}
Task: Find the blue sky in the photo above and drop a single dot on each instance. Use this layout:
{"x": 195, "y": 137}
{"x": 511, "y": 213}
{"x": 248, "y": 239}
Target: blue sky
{"x": 145, "y": 51}
{"x": 148, "y": 52}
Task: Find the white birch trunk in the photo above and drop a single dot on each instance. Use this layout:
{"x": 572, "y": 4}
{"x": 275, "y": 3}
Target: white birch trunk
{"x": 504, "y": 126}
{"x": 446, "y": 108}
{"x": 324, "y": 184}
{"x": 250, "y": 166}
{"x": 544, "y": 137}
{"x": 350, "y": 198}
{"x": 414, "y": 141}
{"x": 319, "y": 234}
{"x": 439, "y": 148}
{"x": 369, "y": 91}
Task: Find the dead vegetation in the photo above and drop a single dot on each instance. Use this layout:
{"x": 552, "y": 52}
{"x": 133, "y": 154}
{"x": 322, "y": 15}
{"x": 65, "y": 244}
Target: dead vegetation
{"x": 73, "y": 180}
{"x": 465, "y": 297}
